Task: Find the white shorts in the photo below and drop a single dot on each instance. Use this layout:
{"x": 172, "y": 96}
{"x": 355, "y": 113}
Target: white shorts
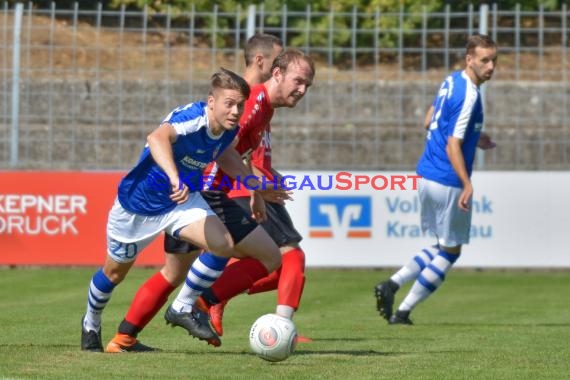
{"x": 128, "y": 234}
{"x": 441, "y": 214}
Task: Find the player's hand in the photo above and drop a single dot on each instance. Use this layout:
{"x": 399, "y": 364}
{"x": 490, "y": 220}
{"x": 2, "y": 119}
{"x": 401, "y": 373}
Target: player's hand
{"x": 485, "y": 142}
{"x": 464, "y": 202}
{"x": 179, "y": 192}
{"x": 276, "y": 195}
{"x": 258, "y": 210}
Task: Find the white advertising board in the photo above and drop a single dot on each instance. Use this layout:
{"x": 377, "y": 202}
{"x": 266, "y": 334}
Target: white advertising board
{"x": 372, "y": 219}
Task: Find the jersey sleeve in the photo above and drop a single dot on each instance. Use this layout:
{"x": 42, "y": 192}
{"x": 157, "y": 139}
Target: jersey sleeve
{"x": 463, "y": 112}
{"x": 187, "y": 119}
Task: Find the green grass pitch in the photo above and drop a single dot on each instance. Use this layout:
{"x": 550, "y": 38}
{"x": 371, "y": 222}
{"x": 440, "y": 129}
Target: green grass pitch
{"x": 488, "y": 324}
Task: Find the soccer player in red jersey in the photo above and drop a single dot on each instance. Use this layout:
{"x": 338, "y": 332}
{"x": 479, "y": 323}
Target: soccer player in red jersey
{"x": 292, "y": 75}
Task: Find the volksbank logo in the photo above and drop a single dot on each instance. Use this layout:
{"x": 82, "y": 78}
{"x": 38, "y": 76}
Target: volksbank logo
{"x": 337, "y": 216}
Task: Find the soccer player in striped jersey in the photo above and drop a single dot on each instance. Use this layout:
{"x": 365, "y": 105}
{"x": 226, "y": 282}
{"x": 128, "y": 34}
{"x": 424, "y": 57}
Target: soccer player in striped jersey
{"x": 162, "y": 194}
{"x": 453, "y": 122}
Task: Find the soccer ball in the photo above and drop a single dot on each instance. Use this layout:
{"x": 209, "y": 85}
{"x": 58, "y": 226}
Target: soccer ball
{"x": 273, "y": 337}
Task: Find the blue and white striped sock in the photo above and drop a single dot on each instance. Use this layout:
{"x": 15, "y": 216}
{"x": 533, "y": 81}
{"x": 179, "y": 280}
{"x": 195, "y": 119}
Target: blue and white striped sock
{"x": 202, "y": 274}
{"x": 411, "y": 270}
{"x": 429, "y": 280}
{"x": 100, "y": 290}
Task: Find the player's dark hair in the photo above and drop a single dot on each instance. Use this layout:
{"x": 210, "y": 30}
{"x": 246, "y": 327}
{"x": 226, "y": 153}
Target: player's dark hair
{"x": 260, "y": 43}
{"x": 289, "y": 55}
{"x": 228, "y": 80}
{"x": 479, "y": 40}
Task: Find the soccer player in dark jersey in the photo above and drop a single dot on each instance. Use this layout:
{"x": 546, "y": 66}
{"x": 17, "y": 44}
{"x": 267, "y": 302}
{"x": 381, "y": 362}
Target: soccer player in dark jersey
{"x": 454, "y": 123}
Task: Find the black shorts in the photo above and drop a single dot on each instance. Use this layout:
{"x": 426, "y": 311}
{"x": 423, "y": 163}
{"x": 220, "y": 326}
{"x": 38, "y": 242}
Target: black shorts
{"x": 278, "y": 224}
{"x": 238, "y": 222}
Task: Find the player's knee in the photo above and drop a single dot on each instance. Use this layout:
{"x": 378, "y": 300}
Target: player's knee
{"x": 258, "y": 245}
{"x": 452, "y": 250}
{"x": 269, "y": 256}
{"x": 114, "y": 275}
{"x": 222, "y": 247}
{"x": 116, "y": 271}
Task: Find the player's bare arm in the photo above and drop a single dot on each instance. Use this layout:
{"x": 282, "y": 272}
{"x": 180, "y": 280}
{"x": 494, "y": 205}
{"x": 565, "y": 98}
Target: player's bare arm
{"x": 278, "y": 175}
{"x": 271, "y": 193}
{"x": 160, "y": 144}
{"x": 257, "y": 203}
{"x": 457, "y": 160}
{"x": 230, "y": 162}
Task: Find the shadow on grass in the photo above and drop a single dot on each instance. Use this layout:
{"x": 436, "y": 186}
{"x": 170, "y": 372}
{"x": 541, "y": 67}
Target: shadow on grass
{"x": 300, "y": 353}
{"x": 40, "y": 345}
{"x": 218, "y": 352}
{"x": 348, "y": 352}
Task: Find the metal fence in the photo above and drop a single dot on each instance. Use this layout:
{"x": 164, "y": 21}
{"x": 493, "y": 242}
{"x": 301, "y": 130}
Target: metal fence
{"x": 80, "y": 89}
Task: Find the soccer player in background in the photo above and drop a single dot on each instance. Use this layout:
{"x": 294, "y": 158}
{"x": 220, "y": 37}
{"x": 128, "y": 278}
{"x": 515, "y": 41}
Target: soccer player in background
{"x": 161, "y": 193}
{"x": 454, "y": 123}
{"x": 292, "y": 75}
{"x": 259, "y": 53}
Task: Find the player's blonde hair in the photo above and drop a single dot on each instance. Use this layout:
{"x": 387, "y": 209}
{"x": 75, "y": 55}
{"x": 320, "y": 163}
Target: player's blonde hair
{"x": 228, "y": 80}
{"x": 289, "y": 55}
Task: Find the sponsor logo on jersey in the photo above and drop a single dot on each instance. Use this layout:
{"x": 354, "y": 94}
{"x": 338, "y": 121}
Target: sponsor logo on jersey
{"x": 193, "y": 164}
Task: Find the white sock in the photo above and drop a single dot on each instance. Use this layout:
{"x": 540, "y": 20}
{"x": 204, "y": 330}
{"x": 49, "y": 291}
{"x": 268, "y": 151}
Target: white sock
{"x": 412, "y": 269}
{"x": 204, "y": 271}
{"x": 429, "y": 280}
{"x": 99, "y": 294}
{"x": 285, "y": 311}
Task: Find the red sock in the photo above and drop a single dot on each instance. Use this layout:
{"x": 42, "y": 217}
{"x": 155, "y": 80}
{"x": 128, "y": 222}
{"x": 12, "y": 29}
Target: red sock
{"x": 292, "y": 279}
{"x": 150, "y": 298}
{"x": 237, "y": 278}
{"x": 267, "y": 283}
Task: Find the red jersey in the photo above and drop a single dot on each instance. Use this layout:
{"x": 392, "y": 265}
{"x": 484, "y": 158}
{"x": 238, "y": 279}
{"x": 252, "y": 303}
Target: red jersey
{"x": 254, "y": 141}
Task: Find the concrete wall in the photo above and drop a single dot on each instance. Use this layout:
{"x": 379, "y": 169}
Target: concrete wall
{"x": 361, "y": 125}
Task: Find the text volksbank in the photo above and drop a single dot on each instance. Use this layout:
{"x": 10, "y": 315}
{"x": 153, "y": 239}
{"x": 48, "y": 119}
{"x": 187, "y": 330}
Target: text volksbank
{"x": 398, "y": 206}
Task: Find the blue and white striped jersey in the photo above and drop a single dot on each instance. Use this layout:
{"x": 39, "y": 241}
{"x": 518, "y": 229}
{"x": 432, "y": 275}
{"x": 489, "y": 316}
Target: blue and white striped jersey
{"x": 458, "y": 112}
{"x": 145, "y": 189}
